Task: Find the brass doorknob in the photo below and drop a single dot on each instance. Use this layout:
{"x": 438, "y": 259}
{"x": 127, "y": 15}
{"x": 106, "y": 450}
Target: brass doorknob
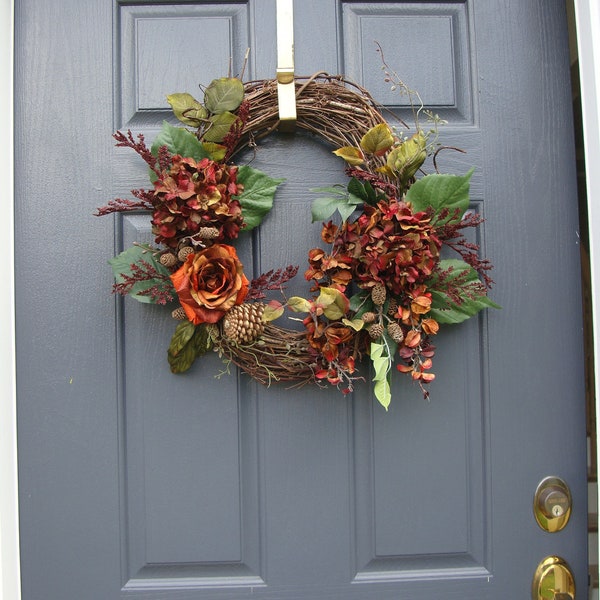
{"x": 553, "y": 580}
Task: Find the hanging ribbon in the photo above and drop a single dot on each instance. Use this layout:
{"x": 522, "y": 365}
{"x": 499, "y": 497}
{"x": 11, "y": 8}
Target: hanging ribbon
{"x": 286, "y": 92}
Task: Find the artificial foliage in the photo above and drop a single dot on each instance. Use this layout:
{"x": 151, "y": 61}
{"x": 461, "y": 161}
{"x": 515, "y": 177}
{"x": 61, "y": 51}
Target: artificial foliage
{"x": 379, "y": 287}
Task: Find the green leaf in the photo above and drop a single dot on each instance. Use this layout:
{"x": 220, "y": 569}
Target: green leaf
{"x": 465, "y": 284}
{"x": 273, "y": 310}
{"x": 224, "y": 94}
{"x": 353, "y": 156}
{"x": 382, "y": 364}
{"x": 219, "y": 126}
{"x": 407, "y": 158}
{"x": 323, "y": 208}
{"x": 187, "y": 109}
{"x": 141, "y": 257}
{"x": 356, "y": 324}
{"x": 185, "y": 348}
{"x": 363, "y": 190}
{"x": 183, "y": 334}
{"x": 334, "y": 303}
{"x": 361, "y": 302}
{"x": 257, "y": 198}
{"x": 215, "y": 152}
{"x": 441, "y": 191}
{"x": 340, "y": 199}
{"x": 298, "y": 304}
{"x": 377, "y": 140}
{"x": 179, "y": 141}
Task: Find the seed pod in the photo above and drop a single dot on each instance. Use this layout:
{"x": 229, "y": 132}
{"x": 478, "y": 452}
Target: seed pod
{"x": 395, "y": 332}
{"x": 168, "y": 259}
{"x": 208, "y": 233}
{"x": 369, "y": 317}
{"x": 179, "y": 314}
{"x": 184, "y": 253}
{"x": 378, "y": 294}
{"x": 392, "y": 307}
{"x": 375, "y": 331}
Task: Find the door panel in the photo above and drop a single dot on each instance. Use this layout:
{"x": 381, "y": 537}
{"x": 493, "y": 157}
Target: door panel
{"x": 135, "y": 483}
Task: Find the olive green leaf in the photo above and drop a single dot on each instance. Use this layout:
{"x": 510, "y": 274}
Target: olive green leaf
{"x": 406, "y": 159}
{"x": 187, "y": 109}
{"x": 219, "y": 127}
{"x": 353, "y": 156}
{"x": 215, "y": 151}
{"x": 183, "y": 334}
{"x": 188, "y": 342}
{"x": 378, "y": 140}
{"x": 382, "y": 364}
{"x": 334, "y": 303}
{"x": 356, "y": 324}
{"x": 273, "y": 310}
{"x": 224, "y": 94}
{"x": 298, "y": 304}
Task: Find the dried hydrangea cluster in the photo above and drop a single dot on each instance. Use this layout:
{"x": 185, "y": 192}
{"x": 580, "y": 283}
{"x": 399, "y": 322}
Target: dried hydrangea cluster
{"x": 380, "y": 288}
{"x": 390, "y": 251}
{"x": 190, "y": 195}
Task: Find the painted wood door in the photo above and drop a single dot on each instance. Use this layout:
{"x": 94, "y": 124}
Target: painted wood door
{"x": 135, "y": 483}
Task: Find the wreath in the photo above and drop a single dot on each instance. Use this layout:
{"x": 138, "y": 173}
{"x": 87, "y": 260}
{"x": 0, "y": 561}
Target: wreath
{"x": 379, "y": 285}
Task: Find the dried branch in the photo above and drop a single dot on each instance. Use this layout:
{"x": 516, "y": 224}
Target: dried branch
{"x": 127, "y": 141}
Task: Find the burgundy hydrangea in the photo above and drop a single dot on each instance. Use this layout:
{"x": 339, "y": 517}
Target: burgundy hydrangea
{"x": 387, "y": 244}
{"x": 193, "y": 194}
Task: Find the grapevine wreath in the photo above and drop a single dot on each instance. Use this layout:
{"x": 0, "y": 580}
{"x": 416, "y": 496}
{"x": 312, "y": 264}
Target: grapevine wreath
{"x": 379, "y": 286}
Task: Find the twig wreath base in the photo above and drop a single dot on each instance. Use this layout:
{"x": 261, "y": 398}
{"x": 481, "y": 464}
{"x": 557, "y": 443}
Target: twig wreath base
{"x": 380, "y": 288}
{"x": 332, "y": 107}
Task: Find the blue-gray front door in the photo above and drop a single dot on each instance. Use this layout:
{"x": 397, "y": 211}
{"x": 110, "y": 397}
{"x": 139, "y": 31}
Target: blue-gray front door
{"x": 135, "y": 483}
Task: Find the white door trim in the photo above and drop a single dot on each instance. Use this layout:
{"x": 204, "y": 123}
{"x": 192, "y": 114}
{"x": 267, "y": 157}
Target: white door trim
{"x": 587, "y": 16}
{"x": 9, "y": 522}
{"x": 588, "y": 35}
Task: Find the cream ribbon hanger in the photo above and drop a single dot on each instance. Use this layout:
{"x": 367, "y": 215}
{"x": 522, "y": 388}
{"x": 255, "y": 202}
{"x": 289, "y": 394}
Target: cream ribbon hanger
{"x": 286, "y": 89}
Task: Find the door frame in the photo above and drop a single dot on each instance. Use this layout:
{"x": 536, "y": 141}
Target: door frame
{"x": 587, "y": 13}
{"x": 9, "y": 525}
{"x": 587, "y": 17}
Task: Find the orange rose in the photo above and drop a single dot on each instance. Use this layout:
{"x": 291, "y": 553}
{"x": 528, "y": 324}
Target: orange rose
{"x": 209, "y": 283}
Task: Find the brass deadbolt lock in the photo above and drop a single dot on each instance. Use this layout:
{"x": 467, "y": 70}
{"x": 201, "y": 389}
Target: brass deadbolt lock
{"x": 552, "y": 504}
{"x": 553, "y": 580}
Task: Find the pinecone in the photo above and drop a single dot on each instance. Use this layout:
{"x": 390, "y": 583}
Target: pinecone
{"x": 243, "y": 323}
{"x": 375, "y": 331}
{"x": 378, "y": 294}
{"x": 208, "y": 233}
{"x": 184, "y": 252}
{"x": 395, "y": 332}
{"x": 168, "y": 259}
{"x": 369, "y": 317}
{"x": 179, "y": 314}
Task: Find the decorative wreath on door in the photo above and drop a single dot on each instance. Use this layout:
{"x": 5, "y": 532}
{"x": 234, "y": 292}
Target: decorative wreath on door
{"x": 379, "y": 288}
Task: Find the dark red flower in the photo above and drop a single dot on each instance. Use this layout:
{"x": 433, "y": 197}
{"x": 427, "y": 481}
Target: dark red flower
{"x": 193, "y": 194}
